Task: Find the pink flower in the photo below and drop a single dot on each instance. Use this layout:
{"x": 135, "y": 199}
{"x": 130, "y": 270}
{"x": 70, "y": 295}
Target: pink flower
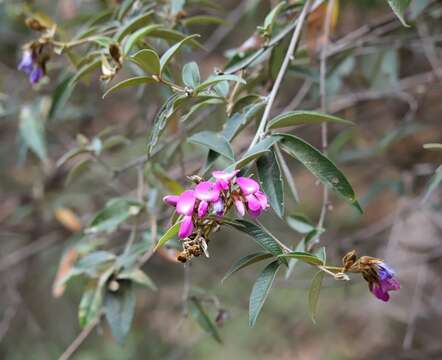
{"x": 248, "y": 186}
{"x": 186, "y": 227}
{"x": 240, "y": 208}
{"x": 207, "y": 191}
{"x": 262, "y": 198}
{"x": 171, "y": 199}
{"x": 202, "y": 209}
{"x": 224, "y": 178}
{"x": 385, "y": 282}
{"x": 186, "y": 203}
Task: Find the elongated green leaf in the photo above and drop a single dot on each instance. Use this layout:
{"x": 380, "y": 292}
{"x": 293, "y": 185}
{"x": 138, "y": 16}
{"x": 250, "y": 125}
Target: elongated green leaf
{"x": 115, "y": 212}
{"x": 148, "y": 60}
{"x": 119, "y": 309}
{"x": 261, "y": 290}
{"x": 399, "y": 7}
{"x": 169, "y": 235}
{"x": 219, "y": 78}
{"x": 133, "y": 38}
{"x": 137, "y": 80}
{"x": 32, "y": 131}
{"x": 288, "y": 177}
{"x": 256, "y": 151}
{"x": 202, "y": 20}
{"x": 161, "y": 120}
{"x": 260, "y": 235}
{"x": 270, "y": 177}
{"x": 191, "y": 75}
{"x": 313, "y": 295}
{"x": 60, "y": 96}
{"x": 167, "y": 56}
{"x": 213, "y": 141}
{"x": 133, "y": 25}
{"x": 85, "y": 314}
{"x": 77, "y": 170}
{"x": 303, "y": 256}
{"x": 93, "y": 262}
{"x": 303, "y": 117}
{"x": 300, "y": 223}
{"x": 320, "y": 166}
{"x": 321, "y": 254}
{"x": 199, "y": 313}
{"x": 241, "y": 118}
{"x": 246, "y": 261}
{"x": 293, "y": 261}
{"x": 271, "y": 17}
{"x": 84, "y": 70}
{"x": 137, "y": 276}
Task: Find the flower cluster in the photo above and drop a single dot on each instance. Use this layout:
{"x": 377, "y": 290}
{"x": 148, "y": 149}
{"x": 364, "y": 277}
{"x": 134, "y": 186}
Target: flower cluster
{"x": 380, "y": 276}
{"x": 215, "y": 198}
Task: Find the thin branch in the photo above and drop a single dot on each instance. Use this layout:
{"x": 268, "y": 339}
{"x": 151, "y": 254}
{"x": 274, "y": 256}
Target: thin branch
{"x": 288, "y": 57}
{"x": 79, "y": 340}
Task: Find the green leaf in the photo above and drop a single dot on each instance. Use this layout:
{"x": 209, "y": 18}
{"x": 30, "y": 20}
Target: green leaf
{"x": 60, "y": 96}
{"x": 148, "y": 60}
{"x": 115, "y": 212}
{"x": 161, "y": 120}
{"x": 191, "y": 75}
{"x": 169, "y": 235}
{"x": 292, "y": 262}
{"x": 213, "y": 141}
{"x": 303, "y": 117}
{"x": 219, "y": 78}
{"x": 133, "y": 25}
{"x": 246, "y": 261}
{"x": 137, "y": 276}
{"x": 271, "y": 17}
{"x": 434, "y": 182}
{"x": 202, "y": 20}
{"x": 167, "y": 56}
{"x": 138, "y": 35}
{"x": 256, "y": 151}
{"x": 320, "y": 166}
{"x": 261, "y": 290}
{"x": 203, "y": 319}
{"x": 300, "y": 223}
{"x": 85, "y": 70}
{"x": 137, "y": 80}
{"x": 240, "y": 119}
{"x": 399, "y": 7}
{"x": 85, "y": 313}
{"x": 260, "y": 235}
{"x": 313, "y": 295}
{"x": 32, "y": 131}
{"x": 270, "y": 177}
{"x": 94, "y": 262}
{"x": 77, "y": 170}
{"x": 119, "y": 309}
{"x": 321, "y": 254}
{"x": 303, "y": 256}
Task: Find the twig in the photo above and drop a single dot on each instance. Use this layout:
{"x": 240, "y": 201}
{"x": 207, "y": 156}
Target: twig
{"x": 288, "y": 57}
{"x": 79, "y": 340}
{"x": 323, "y": 96}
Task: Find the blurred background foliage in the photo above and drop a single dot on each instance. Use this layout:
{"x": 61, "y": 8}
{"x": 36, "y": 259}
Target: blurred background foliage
{"x": 384, "y": 77}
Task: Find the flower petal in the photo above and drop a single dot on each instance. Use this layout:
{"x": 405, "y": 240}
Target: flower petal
{"x": 379, "y": 292}
{"x": 248, "y": 186}
{"x": 224, "y": 178}
{"x": 202, "y": 209}
{"x": 218, "y": 207}
{"x": 240, "y": 208}
{"x": 186, "y": 227}
{"x": 171, "y": 199}
{"x": 253, "y": 203}
{"x": 207, "y": 191}
{"x": 262, "y": 198}
{"x": 186, "y": 203}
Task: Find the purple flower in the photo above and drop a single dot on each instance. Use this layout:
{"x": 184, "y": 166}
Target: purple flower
{"x": 224, "y": 178}
{"x": 385, "y": 282}
{"x": 202, "y": 209}
{"x": 186, "y": 227}
{"x": 218, "y": 207}
{"x": 248, "y": 186}
{"x": 31, "y": 67}
{"x": 171, "y": 199}
{"x": 207, "y": 191}
{"x": 186, "y": 203}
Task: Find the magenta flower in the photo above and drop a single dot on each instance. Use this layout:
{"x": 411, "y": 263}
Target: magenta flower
{"x": 240, "y": 208}
{"x": 186, "y": 227}
{"x": 202, "y": 209}
{"x": 207, "y": 191}
{"x": 385, "y": 282}
{"x": 248, "y": 186}
{"x": 224, "y": 178}
{"x": 186, "y": 203}
{"x": 171, "y": 199}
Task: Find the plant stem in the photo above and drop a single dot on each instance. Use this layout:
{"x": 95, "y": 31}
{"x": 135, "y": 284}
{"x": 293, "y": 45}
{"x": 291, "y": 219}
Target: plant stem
{"x": 288, "y": 57}
{"x": 79, "y": 340}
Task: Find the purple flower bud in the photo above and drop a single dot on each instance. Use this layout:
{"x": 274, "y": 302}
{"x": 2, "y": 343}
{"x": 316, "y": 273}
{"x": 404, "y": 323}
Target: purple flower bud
{"x": 207, "y": 191}
{"x": 202, "y": 209}
{"x": 248, "y": 186}
{"x": 36, "y": 74}
{"x": 171, "y": 199}
{"x": 223, "y": 178}
{"x": 26, "y": 62}
{"x": 218, "y": 207}
{"x": 240, "y": 208}
{"x": 186, "y": 227}
{"x": 186, "y": 203}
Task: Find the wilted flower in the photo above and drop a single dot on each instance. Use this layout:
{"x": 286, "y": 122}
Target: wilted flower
{"x": 379, "y": 275}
